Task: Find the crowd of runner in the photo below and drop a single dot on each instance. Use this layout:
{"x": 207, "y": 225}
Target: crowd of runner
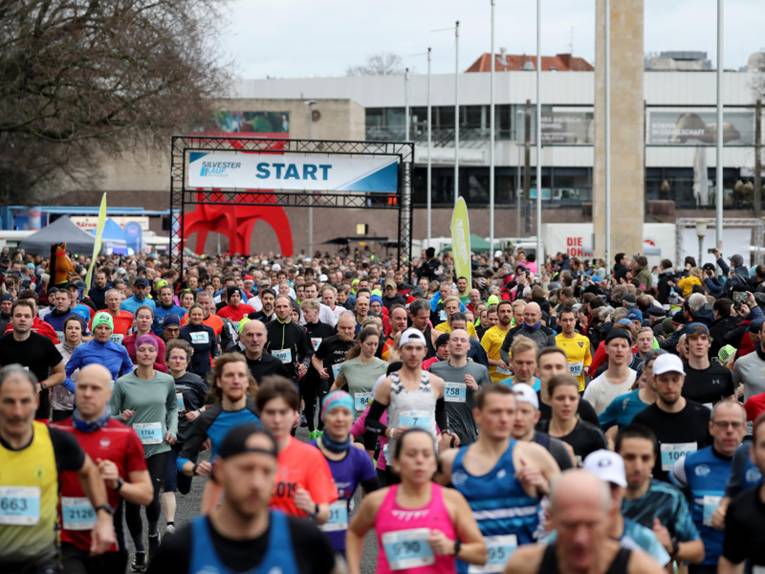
{"x": 559, "y": 416}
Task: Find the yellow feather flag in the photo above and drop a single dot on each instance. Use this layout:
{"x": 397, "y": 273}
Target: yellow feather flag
{"x": 99, "y": 239}
{"x": 460, "y": 229}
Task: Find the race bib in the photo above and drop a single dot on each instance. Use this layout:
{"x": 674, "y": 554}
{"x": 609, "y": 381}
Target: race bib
{"x": 672, "y": 452}
{"x": 315, "y": 342}
{"x": 500, "y": 548}
{"x": 455, "y": 392}
{"x": 419, "y": 419}
{"x": 284, "y": 355}
{"x": 336, "y": 370}
{"x": 19, "y": 505}
{"x": 575, "y": 369}
{"x": 116, "y": 338}
{"x": 200, "y": 338}
{"x": 149, "y": 433}
{"x": 77, "y": 513}
{"x": 362, "y": 400}
{"x": 181, "y": 404}
{"x": 710, "y": 505}
{"x": 338, "y": 517}
{"x": 408, "y": 548}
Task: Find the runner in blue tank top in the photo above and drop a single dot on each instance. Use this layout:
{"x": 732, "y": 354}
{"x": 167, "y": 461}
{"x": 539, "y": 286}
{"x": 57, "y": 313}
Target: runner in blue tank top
{"x": 242, "y": 534}
{"x": 704, "y": 475}
{"x": 501, "y": 479}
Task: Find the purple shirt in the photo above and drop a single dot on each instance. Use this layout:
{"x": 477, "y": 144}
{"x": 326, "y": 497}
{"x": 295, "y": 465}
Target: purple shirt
{"x": 347, "y": 474}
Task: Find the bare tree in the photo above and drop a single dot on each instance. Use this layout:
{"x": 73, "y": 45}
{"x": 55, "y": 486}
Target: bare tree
{"x": 383, "y": 64}
{"x": 80, "y": 78}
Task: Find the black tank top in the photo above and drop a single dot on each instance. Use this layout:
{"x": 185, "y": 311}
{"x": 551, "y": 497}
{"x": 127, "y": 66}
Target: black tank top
{"x": 618, "y": 565}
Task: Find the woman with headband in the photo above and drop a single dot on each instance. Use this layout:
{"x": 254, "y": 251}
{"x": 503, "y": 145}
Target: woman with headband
{"x": 348, "y": 462}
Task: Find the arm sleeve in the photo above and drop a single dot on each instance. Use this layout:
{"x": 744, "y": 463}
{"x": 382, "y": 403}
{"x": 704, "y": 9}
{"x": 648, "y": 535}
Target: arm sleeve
{"x": 441, "y": 419}
{"x": 723, "y": 266}
{"x": 69, "y": 455}
{"x": 374, "y": 428}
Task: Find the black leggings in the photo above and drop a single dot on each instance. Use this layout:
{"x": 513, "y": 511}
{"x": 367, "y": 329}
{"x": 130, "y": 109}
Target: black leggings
{"x": 311, "y": 391}
{"x": 157, "y": 465}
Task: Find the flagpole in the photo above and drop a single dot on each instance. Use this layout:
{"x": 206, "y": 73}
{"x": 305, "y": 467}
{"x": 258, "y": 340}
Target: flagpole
{"x": 540, "y": 253}
{"x": 719, "y": 151}
{"x": 430, "y": 143}
{"x": 456, "y": 110}
{"x": 491, "y": 136}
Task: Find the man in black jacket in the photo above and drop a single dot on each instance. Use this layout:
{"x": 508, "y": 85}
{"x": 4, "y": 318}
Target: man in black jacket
{"x": 723, "y": 324}
{"x": 532, "y": 328}
{"x": 252, "y": 342}
{"x": 288, "y": 341}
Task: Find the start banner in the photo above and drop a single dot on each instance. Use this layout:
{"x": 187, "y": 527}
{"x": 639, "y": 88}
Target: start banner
{"x": 292, "y": 171}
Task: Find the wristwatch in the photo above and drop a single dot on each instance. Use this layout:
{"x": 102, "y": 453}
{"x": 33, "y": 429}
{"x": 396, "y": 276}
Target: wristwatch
{"x": 457, "y": 547}
{"x": 120, "y": 484}
{"x": 106, "y": 508}
{"x": 315, "y": 512}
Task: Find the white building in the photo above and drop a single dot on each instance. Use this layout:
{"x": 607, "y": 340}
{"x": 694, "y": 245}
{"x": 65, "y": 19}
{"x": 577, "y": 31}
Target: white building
{"x": 680, "y": 131}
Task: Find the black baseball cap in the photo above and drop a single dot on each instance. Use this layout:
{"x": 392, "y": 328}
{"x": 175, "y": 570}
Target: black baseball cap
{"x": 236, "y": 439}
{"x": 696, "y": 328}
{"x": 140, "y": 282}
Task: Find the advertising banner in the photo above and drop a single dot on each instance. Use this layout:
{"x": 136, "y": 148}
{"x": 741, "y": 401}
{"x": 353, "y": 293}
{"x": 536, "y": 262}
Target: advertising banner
{"x": 460, "y": 229}
{"x": 292, "y": 171}
{"x": 562, "y": 127}
{"x": 685, "y": 127}
{"x": 243, "y": 123}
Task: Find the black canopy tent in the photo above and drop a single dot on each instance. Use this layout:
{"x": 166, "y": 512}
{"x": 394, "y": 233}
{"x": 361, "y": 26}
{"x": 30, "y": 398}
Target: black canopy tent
{"x": 60, "y": 231}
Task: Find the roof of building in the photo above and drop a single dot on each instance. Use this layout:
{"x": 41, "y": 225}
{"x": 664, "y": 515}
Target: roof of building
{"x": 517, "y": 62}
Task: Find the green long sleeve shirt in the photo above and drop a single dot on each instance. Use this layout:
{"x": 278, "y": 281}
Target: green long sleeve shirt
{"x": 154, "y": 405}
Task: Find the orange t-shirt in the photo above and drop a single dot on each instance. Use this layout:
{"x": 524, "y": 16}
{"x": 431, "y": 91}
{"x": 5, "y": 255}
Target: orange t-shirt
{"x": 301, "y": 464}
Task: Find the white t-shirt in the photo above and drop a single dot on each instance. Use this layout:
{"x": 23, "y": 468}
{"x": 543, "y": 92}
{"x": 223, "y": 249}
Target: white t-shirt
{"x": 600, "y": 392}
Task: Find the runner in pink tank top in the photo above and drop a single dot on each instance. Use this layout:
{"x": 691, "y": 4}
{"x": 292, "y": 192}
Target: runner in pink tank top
{"x": 421, "y": 527}
{"x": 403, "y": 533}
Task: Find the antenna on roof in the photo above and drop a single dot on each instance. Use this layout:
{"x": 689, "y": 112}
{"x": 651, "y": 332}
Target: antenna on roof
{"x": 571, "y": 42}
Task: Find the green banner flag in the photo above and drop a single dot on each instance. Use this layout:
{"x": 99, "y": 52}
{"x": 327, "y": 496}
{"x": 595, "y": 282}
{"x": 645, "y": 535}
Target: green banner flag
{"x": 99, "y": 239}
{"x": 460, "y": 229}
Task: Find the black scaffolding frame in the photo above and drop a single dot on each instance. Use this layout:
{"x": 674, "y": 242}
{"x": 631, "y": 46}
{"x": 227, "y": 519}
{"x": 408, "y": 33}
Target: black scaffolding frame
{"x": 182, "y": 197}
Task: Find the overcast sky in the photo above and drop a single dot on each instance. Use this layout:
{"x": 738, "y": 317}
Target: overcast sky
{"x": 304, "y": 38}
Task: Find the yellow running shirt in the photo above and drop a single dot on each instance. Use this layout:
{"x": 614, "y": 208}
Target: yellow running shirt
{"x": 577, "y": 349}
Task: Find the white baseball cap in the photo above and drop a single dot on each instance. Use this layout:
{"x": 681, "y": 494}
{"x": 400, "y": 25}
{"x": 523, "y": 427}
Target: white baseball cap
{"x": 607, "y": 466}
{"x": 668, "y": 363}
{"x": 526, "y": 394}
{"x": 411, "y": 335}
